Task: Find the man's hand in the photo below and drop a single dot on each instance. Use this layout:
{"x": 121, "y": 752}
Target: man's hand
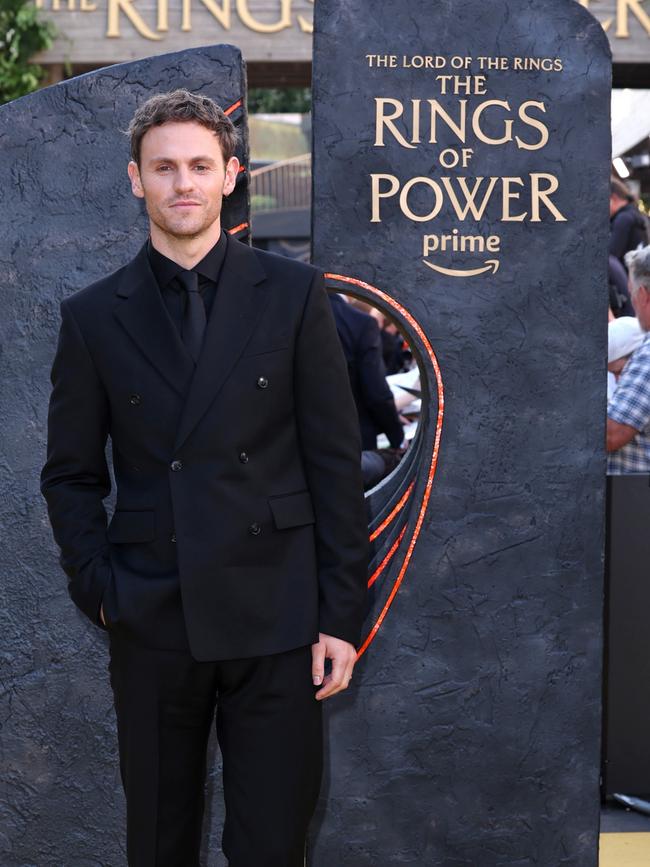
{"x": 343, "y": 656}
{"x": 619, "y": 435}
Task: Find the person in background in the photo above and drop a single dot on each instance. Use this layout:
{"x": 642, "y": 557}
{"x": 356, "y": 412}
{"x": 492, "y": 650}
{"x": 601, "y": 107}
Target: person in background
{"x": 628, "y": 412}
{"x": 394, "y": 351}
{"x": 359, "y": 335}
{"x": 627, "y": 225}
{"x": 624, "y": 336}
{"x": 619, "y": 298}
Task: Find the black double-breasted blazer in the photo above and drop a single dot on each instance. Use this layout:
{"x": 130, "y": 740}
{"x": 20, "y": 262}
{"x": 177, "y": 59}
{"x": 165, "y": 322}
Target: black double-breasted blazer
{"x": 239, "y": 527}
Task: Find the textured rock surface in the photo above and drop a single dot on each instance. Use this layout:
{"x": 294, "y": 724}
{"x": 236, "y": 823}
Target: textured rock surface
{"x": 67, "y": 216}
{"x": 471, "y": 734}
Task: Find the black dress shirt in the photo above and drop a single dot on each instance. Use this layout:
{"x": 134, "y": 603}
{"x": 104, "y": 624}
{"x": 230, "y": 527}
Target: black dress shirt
{"x": 175, "y": 298}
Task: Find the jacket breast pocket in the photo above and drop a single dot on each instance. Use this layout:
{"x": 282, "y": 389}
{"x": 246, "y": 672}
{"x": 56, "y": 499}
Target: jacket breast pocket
{"x": 265, "y": 343}
{"x": 129, "y": 526}
{"x": 292, "y": 510}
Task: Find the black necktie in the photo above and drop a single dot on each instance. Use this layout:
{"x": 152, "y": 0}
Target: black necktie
{"x": 194, "y": 318}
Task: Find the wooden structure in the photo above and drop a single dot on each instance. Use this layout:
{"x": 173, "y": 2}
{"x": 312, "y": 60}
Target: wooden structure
{"x": 273, "y": 35}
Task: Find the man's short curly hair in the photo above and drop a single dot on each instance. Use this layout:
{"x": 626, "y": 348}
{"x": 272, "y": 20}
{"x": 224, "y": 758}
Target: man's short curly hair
{"x": 180, "y": 106}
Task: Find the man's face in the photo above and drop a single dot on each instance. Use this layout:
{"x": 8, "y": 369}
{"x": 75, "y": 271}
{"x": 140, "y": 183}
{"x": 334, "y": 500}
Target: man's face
{"x": 615, "y": 204}
{"x": 182, "y": 178}
{"x": 641, "y": 304}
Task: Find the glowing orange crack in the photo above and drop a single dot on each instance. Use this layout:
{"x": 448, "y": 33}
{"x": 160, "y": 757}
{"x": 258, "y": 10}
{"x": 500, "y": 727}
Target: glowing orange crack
{"x": 233, "y": 107}
{"x": 380, "y": 529}
{"x": 436, "y": 445}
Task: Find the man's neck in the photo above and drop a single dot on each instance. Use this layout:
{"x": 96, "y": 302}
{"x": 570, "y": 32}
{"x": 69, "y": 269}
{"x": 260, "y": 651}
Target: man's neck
{"x": 188, "y": 251}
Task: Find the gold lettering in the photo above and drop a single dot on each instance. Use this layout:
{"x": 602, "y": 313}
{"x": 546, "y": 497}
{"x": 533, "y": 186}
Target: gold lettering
{"x": 470, "y": 196}
{"x": 457, "y": 128}
{"x": 305, "y": 25}
{"x": 258, "y": 26}
{"x": 377, "y": 194}
{"x": 623, "y": 9}
{"x": 382, "y": 119}
{"x": 415, "y": 104}
{"x": 471, "y": 243}
{"x": 537, "y": 124}
{"x": 221, "y": 13}
{"x": 476, "y": 196}
{"x": 606, "y": 24}
{"x": 126, "y": 6}
{"x": 429, "y": 244}
{"x": 506, "y": 216}
{"x": 403, "y": 200}
{"x": 476, "y": 123}
{"x": 84, "y": 5}
{"x": 163, "y": 15}
{"x": 462, "y": 243}
{"x": 539, "y": 195}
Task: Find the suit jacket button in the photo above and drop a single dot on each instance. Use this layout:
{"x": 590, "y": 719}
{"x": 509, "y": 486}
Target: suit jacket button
{"x": 176, "y": 466}
{"x": 255, "y": 529}
{"x": 262, "y": 382}
{"x": 243, "y": 457}
{"x": 135, "y": 399}
{"x": 172, "y": 538}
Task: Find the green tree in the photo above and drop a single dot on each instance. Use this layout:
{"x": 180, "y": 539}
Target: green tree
{"x": 22, "y": 35}
{"x": 277, "y": 100}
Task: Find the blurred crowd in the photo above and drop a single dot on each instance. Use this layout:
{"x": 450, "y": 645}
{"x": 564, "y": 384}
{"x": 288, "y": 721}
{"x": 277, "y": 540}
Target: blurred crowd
{"x": 385, "y": 382}
{"x": 628, "y": 353}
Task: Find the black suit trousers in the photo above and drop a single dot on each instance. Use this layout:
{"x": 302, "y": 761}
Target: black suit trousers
{"x": 269, "y": 728}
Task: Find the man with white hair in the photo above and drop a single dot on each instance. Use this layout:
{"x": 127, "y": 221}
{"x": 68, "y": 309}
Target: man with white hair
{"x": 624, "y": 336}
{"x": 628, "y": 412}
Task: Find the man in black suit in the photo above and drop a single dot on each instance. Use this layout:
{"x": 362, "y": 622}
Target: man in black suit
{"x": 627, "y": 225}
{"x": 361, "y": 341}
{"x": 235, "y": 563}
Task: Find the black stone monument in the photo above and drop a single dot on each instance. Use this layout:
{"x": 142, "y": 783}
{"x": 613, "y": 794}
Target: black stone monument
{"x": 461, "y": 165}
{"x": 67, "y": 216}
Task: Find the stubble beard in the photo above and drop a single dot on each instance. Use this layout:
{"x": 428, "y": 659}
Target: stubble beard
{"x": 184, "y": 229}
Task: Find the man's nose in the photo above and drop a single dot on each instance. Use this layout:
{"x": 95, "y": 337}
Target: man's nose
{"x": 183, "y": 180}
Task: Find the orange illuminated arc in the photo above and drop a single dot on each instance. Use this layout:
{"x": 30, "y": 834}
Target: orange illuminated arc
{"x": 238, "y": 228}
{"x": 391, "y": 302}
{"x": 233, "y": 107}
{"x": 387, "y": 558}
{"x": 398, "y": 508}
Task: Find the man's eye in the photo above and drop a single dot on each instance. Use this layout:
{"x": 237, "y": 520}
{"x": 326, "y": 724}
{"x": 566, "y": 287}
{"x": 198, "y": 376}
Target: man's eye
{"x": 202, "y": 168}
{"x": 163, "y": 168}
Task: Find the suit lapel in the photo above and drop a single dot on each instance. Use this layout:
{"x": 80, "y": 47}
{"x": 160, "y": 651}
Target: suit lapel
{"x": 141, "y": 311}
{"x": 237, "y": 308}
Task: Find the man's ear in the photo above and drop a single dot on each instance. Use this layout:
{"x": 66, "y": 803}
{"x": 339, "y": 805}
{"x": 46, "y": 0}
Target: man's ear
{"x": 136, "y": 183}
{"x": 232, "y": 170}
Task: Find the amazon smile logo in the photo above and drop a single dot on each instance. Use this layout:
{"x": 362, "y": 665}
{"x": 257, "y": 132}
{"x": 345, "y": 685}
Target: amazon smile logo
{"x": 490, "y": 266}
{"x": 473, "y": 245}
